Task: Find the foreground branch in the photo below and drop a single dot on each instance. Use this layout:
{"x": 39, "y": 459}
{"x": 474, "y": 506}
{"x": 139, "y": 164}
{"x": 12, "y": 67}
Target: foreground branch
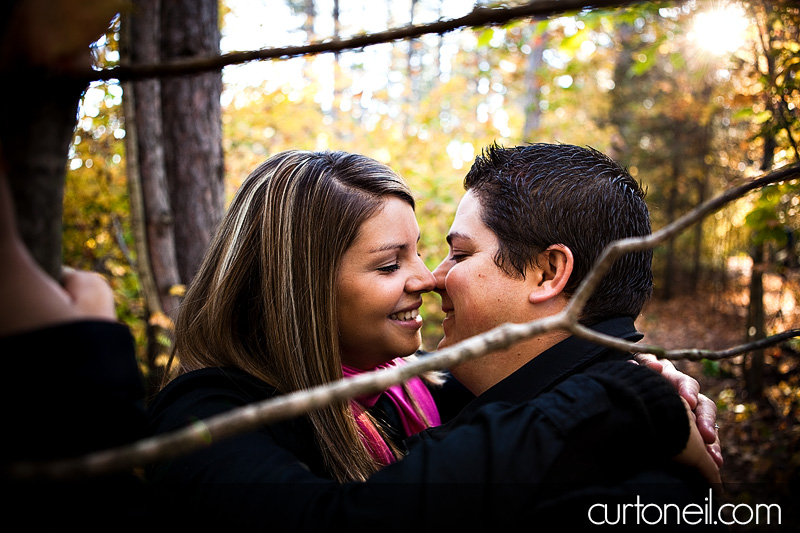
{"x": 683, "y": 354}
{"x": 478, "y": 17}
{"x": 204, "y": 432}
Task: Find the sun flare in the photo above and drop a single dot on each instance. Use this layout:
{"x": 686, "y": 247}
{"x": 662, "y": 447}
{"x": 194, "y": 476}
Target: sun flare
{"x": 720, "y": 30}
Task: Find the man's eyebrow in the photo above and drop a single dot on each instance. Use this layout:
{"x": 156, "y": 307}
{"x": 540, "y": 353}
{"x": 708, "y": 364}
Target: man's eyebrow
{"x": 456, "y": 235}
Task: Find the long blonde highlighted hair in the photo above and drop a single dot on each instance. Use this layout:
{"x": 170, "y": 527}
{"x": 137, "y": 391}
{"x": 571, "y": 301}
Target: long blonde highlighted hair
{"x": 264, "y": 298}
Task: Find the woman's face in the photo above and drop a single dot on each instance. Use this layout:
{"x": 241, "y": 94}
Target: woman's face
{"x": 379, "y": 289}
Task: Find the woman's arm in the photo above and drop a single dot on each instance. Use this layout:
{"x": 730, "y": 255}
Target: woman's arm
{"x": 703, "y": 408}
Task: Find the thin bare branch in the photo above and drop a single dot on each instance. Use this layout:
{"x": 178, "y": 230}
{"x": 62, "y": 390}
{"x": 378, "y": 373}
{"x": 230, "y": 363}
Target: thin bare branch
{"x": 696, "y": 355}
{"x": 481, "y": 16}
{"x": 688, "y": 354}
{"x": 204, "y": 432}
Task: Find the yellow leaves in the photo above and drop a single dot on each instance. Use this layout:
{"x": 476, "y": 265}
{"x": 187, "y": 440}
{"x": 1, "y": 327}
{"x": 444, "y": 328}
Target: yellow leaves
{"x": 161, "y": 360}
{"x": 161, "y": 320}
{"x": 164, "y": 337}
{"x": 785, "y": 397}
{"x": 177, "y": 290}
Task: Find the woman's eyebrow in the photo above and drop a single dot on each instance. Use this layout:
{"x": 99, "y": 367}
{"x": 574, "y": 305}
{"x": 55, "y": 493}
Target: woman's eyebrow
{"x": 388, "y": 247}
{"x": 392, "y": 246}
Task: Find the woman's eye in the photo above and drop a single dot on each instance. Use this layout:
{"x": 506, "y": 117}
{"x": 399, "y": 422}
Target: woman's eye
{"x": 458, "y": 257}
{"x": 391, "y": 268}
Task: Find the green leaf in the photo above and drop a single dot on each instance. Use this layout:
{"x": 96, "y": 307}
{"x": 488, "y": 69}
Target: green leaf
{"x": 710, "y": 368}
{"x": 640, "y": 67}
{"x": 485, "y": 37}
{"x": 743, "y": 113}
{"x": 763, "y": 117}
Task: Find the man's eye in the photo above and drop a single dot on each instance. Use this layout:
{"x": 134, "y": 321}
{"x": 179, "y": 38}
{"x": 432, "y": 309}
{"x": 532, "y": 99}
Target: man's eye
{"x": 391, "y": 268}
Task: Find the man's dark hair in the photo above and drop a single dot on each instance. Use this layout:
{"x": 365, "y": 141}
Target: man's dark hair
{"x": 537, "y": 195}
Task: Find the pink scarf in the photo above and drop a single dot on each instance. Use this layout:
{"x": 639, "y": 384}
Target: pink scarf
{"x": 412, "y": 422}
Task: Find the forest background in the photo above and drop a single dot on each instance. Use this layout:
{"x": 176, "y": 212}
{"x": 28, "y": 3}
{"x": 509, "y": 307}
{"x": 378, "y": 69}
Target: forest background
{"x": 692, "y": 97}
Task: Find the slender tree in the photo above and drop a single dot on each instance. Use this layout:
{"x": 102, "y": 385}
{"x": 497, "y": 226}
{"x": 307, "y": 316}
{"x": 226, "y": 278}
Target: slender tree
{"x": 151, "y": 209}
{"x": 191, "y": 112}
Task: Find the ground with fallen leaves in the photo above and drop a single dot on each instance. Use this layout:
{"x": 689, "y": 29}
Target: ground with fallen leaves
{"x": 760, "y": 435}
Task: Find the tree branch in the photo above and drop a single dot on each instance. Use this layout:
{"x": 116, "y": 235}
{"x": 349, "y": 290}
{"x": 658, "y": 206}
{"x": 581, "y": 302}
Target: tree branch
{"x": 688, "y": 354}
{"x": 479, "y": 17}
{"x": 203, "y": 432}
{"x": 694, "y": 354}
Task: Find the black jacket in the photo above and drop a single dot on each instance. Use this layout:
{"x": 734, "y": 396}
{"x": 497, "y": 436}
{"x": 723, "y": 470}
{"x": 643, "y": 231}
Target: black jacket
{"x": 487, "y": 471}
{"x": 490, "y": 469}
{"x": 624, "y": 473}
{"x": 69, "y": 390}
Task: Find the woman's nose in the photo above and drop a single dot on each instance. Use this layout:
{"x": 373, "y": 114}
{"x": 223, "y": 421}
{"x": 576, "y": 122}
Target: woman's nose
{"x": 422, "y": 280}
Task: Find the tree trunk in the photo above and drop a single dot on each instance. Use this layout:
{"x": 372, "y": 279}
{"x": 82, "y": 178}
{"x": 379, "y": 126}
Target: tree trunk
{"x": 533, "y": 113}
{"x": 337, "y": 91}
{"x": 145, "y": 123}
{"x": 414, "y": 67}
{"x": 702, "y": 148}
{"x": 311, "y": 14}
{"x": 151, "y": 211}
{"x": 193, "y": 129}
{"x": 35, "y": 141}
{"x": 753, "y": 365}
{"x": 697, "y": 251}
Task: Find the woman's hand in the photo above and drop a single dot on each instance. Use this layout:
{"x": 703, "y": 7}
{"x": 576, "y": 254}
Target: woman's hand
{"x": 704, "y": 410}
{"x": 696, "y": 455}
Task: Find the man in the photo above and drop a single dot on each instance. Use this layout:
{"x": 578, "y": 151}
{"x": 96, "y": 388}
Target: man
{"x": 529, "y": 229}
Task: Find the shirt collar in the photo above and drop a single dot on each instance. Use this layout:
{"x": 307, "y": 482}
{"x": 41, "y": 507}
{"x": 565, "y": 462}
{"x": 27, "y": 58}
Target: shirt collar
{"x": 558, "y": 362}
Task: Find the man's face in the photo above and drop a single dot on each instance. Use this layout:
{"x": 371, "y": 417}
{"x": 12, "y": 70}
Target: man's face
{"x": 476, "y": 294}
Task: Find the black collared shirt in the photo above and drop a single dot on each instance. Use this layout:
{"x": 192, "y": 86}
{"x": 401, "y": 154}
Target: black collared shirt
{"x": 551, "y": 367}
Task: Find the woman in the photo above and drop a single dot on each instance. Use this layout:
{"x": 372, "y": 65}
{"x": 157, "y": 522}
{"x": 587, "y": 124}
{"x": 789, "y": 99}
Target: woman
{"x": 312, "y": 276}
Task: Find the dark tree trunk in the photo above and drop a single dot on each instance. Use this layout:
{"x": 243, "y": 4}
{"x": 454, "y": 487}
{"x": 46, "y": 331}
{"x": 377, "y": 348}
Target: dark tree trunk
{"x": 151, "y": 210}
{"x": 193, "y": 129}
{"x": 145, "y": 128}
{"x": 702, "y": 148}
{"x": 35, "y": 138}
{"x": 697, "y": 248}
{"x": 753, "y": 364}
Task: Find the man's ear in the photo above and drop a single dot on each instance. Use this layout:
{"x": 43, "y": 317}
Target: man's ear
{"x": 553, "y": 271}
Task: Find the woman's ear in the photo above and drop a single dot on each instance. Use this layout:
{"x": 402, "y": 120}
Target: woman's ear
{"x": 554, "y": 269}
